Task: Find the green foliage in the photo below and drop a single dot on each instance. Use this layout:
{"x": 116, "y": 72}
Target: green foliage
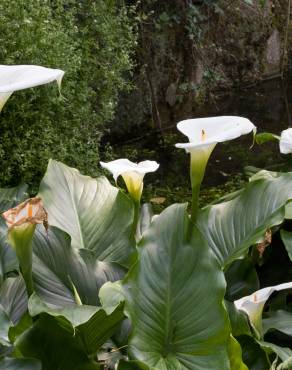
{"x": 171, "y": 306}
{"x": 19, "y": 364}
{"x": 92, "y": 43}
{"x": 63, "y": 275}
{"x": 247, "y": 215}
{"x": 93, "y": 222}
{"x": 265, "y": 137}
{"x": 166, "y": 298}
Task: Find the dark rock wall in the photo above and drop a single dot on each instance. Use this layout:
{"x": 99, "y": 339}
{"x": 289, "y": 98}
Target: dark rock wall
{"x": 190, "y": 52}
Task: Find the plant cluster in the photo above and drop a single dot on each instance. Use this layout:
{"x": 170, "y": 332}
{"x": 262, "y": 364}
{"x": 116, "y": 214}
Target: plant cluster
{"x": 92, "y": 41}
{"x": 91, "y": 280}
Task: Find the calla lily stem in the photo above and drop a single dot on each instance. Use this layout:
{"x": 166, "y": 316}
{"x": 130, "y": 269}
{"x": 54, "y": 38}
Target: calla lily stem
{"x": 136, "y": 215}
{"x": 21, "y": 239}
{"x": 199, "y": 160}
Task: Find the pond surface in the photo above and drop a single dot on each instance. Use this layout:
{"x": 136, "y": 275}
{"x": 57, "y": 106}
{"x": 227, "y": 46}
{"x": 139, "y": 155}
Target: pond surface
{"x": 268, "y": 106}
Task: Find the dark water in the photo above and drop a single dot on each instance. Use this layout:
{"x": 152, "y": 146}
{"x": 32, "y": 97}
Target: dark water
{"x": 268, "y": 106}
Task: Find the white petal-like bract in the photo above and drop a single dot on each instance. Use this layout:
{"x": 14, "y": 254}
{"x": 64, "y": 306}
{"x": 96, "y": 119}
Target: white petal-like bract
{"x": 253, "y": 304}
{"x": 203, "y": 132}
{"x": 19, "y": 77}
{"x": 132, "y": 173}
{"x": 286, "y": 141}
{"x": 121, "y": 166}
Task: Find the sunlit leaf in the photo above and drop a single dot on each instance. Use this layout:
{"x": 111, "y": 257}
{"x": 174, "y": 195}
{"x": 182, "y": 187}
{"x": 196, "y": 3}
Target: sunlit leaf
{"x": 90, "y": 324}
{"x": 265, "y": 137}
{"x": 233, "y": 226}
{"x": 235, "y": 355}
{"x": 96, "y": 215}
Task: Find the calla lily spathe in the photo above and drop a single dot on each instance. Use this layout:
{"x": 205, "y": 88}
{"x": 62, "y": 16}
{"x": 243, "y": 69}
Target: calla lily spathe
{"x": 203, "y": 135}
{"x": 19, "y": 77}
{"x": 253, "y": 304}
{"x": 21, "y": 221}
{"x": 207, "y": 132}
{"x": 286, "y": 141}
{"x": 132, "y": 173}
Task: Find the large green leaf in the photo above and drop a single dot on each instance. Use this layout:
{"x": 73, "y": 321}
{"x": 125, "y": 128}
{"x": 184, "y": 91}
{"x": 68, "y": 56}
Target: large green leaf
{"x": 146, "y": 214}
{"x": 54, "y": 346}
{"x": 13, "y": 305}
{"x": 231, "y": 227}
{"x": 8, "y": 259}
{"x": 287, "y": 241}
{"x": 60, "y": 271}
{"x": 286, "y": 365}
{"x": 5, "y": 324}
{"x": 241, "y": 278}
{"x": 235, "y": 355}
{"x": 10, "y": 197}
{"x": 278, "y": 320}
{"x": 20, "y": 364}
{"x": 13, "y": 298}
{"x": 94, "y": 213}
{"x": 253, "y": 355}
{"x": 283, "y": 352}
{"x": 66, "y": 338}
{"x": 174, "y": 297}
{"x": 132, "y": 365}
{"x": 90, "y": 324}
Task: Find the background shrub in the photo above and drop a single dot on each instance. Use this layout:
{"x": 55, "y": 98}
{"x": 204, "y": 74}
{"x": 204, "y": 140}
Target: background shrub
{"x": 92, "y": 42}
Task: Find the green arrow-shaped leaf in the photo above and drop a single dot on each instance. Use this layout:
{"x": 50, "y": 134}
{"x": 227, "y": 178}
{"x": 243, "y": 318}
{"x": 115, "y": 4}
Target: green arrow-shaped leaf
{"x": 174, "y": 299}
{"x": 61, "y": 272}
{"x": 233, "y": 226}
{"x": 94, "y": 213}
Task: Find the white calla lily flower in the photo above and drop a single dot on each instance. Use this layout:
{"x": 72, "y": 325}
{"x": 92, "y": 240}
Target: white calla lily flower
{"x": 132, "y": 173}
{"x": 254, "y": 304}
{"x": 286, "y": 141}
{"x": 207, "y": 132}
{"x": 19, "y": 77}
{"x": 204, "y": 134}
